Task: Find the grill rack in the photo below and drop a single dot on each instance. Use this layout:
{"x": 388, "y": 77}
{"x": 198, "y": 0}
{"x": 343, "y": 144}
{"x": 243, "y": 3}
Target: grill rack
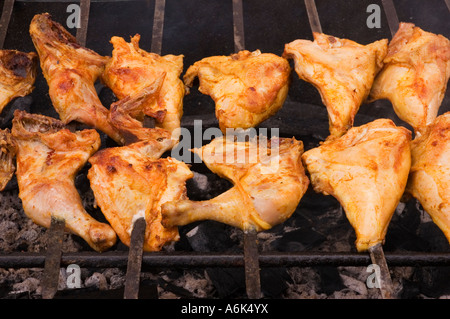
{"x": 250, "y": 258}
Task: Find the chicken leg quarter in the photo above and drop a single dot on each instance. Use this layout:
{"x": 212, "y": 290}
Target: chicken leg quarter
{"x": 71, "y": 71}
{"x": 268, "y": 184}
{"x": 366, "y": 170}
{"x": 429, "y": 179}
{"x": 48, "y": 158}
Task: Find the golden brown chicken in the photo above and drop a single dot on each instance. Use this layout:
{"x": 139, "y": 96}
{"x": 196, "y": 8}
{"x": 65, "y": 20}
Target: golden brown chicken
{"x": 48, "y": 158}
{"x": 247, "y": 87}
{"x": 429, "y": 179}
{"x": 342, "y": 71}
{"x": 17, "y": 75}
{"x": 8, "y": 148}
{"x": 269, "y": 182}
{"x": 415, "y": 75}
{"x": 131, "y": 182}
{"x": 71, "y": 71}
{"x": 129, "y": 115}
{"x": 366, "y": 170}
{"x": 132, "y": 69}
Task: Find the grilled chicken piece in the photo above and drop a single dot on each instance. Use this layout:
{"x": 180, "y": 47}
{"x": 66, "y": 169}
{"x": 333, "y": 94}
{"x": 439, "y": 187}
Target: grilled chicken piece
{"x": 366, "y": 170}
{"x": 342, "y": 71}
{"x": 129, "y": 115}
{"x": 268, "y": 184}
{"x": 429, "y": 179}
{"x": 17, "y": 75}
{"x": 415, "y": 75}
{"x": 71, "y": 71}
{"x": 247, "y": 87}
{"x": 132, "y": 69}
{"x": 8, "y": 149}
{"x": 131, "y": 182}
{"x": 48, "y": 158}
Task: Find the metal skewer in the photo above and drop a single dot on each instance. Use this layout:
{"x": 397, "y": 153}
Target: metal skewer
{"x": 85, "y": 6}
{"x": 251, "y": 265}
{"x": 53, "y": 258}
{"x": 384, "y": 278}
{"x": 4, "y": 20}
{"x": 132, "y": 279}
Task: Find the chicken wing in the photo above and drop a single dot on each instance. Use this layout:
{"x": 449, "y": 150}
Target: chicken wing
{"x": 8, "y": 148}
{"x": 132, "y": 69}
{"x": 129, "y": 115}
{"x": 17, "y": 75}
{"x": 429, "y": 179}
{"x": 48, "y": 158}
{"x": 269, "y": 182}
{"x": 247, "y": 87}
{"x": 415, "y": 75}
{"x": 71, "y": 71}
{"x": 366, "y": 170}
{"x": 342, "y": 71}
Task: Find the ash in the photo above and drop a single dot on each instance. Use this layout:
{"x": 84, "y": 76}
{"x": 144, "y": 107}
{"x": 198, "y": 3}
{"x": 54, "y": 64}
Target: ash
{"x": 318, "y": 224}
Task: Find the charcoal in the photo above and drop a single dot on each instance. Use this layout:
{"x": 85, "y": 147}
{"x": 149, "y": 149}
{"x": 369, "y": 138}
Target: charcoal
{"x": 304, "y": 238}
{"x": 330, "y": 280}
{"x": 210, "y": 236}
{"x": 274, "y": 281}
{"x": 227, "y": 281}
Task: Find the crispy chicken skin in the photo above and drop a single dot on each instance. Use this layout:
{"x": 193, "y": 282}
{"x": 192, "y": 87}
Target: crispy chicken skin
{"x": 247, "y": 87}
{"x": 129, "y": 115}
{"x": 132, "y": 69}
{"x": 48, "y": 158}
{"x": 415, "y": 75}
{"x": 268, "y": 184}
{"x": 17, "y": 75}
{"x": 8, "y": 148}
{"x": 366, "y": 170}
{"x": 429, "y": 178}
{"x": 131, "y": 182}
{"x": 71, "y": 71}
{"x": 342, "y": 71}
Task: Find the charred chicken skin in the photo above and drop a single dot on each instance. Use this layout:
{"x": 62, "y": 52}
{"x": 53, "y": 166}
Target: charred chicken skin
{"x": 131, "y": 182}
{"x": 429, "y": 179}
{"x": 366, "y": 170}
{"x": 132, "y": 69}
{"x": 129, "y": 115}
{"x": 342, "y": 71}
{"x": 48, "y": 158}
{"x": 415, "y": 75}
{"x": 17, "y": 75}
{"x": 247, "y": 87}
{"x": 8, "y": 148}
{"x": 268, "y": 184}
{"x": 71, "y": 71}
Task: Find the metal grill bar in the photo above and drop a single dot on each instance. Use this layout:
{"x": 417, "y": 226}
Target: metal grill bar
{"x": 119, "y": 259}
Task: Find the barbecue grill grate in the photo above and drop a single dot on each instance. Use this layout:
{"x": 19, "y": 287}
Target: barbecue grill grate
{"x": 250, "y": 258}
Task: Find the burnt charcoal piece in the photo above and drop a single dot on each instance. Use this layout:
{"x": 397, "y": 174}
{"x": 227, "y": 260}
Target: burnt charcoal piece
{"x": 274, "y": 282}
{"x": 304, "y": 238}
{"x": 210, "y": 236}
{"x": 433, "y": 281}
{"x": 433, "y": 236}
{"x": 330, "y": 281}
{"x": 227, "y": 281}
{"x": 403, "y": 231}
{"x": 20, "y": 103}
